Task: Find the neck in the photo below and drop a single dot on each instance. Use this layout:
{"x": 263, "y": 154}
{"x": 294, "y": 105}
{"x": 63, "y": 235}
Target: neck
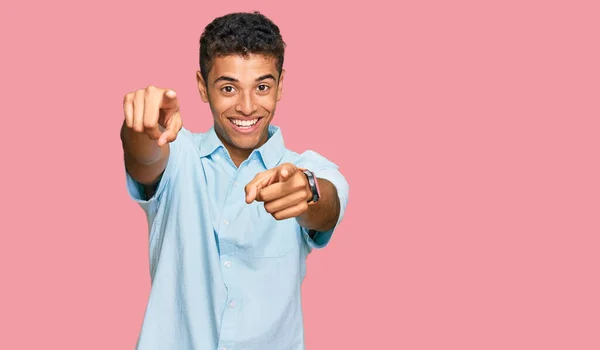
{"x": 238, "y": 155}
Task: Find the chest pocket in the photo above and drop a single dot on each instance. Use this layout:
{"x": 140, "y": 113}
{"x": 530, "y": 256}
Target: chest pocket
{"x": 256, "y": 234}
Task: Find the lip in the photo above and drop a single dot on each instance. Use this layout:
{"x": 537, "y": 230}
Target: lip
{"x": 245, "y": 130}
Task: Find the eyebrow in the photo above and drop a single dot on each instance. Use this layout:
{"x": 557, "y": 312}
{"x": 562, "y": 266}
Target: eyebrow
{"x": 261, "y": 78}
{"x": 265, "y": 77}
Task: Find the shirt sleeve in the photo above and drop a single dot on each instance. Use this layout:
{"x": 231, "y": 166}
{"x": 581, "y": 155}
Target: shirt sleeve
{"x": 324, "y": 169}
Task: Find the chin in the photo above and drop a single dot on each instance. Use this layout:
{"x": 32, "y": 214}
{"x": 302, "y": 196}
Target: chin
{"x": 246, "y": 143}
{"x": 247, "y": 140}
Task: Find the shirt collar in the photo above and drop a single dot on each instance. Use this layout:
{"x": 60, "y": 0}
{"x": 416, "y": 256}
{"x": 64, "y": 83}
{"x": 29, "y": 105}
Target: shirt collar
{"x": 270, "y": 153}
{"x": 209, "y": 143}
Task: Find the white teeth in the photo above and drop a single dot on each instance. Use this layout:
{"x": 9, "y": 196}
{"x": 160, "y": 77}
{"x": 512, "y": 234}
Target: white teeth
{"x": 244, "y": 123}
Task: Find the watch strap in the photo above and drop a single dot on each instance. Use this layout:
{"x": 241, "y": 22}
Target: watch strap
{"x": 313, "y": 184}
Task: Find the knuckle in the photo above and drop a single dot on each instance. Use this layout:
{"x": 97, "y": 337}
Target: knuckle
{"x": 137, "y": 95}
{"x": 128, "y": 97}
{"x": 304, "y": 206}
{"x": 302, "y": 195}
{"x": 150, "y": 93}
{"x": 149, "y": 124}
{"x": 299, "y": 184}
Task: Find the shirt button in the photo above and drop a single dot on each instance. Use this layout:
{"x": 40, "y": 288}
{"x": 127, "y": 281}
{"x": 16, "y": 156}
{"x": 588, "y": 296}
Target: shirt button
{"x": 217, "y": 157}
{"x": 226, "y": 222}
{"x": 232, "y": 304}
{"x": 227, "y": 264}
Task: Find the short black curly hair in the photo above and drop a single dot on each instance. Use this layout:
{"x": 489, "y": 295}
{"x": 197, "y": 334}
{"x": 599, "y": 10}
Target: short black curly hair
{"x": 240, "y": 33}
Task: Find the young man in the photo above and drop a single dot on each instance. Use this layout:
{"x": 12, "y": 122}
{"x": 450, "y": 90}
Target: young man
{"x": 232, "y": 213}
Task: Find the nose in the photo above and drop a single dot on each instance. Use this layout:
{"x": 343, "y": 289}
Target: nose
{"x": 246, "y": 105}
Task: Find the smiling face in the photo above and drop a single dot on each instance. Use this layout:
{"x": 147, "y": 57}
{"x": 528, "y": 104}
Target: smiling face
{"x": 242, "y": 93}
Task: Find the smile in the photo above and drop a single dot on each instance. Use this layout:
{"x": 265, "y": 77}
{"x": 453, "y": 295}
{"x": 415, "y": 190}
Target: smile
{"x": 245, "y": 124}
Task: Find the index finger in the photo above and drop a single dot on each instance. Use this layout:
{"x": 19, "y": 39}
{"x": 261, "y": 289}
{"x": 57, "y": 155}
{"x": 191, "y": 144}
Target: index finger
{"x": 252, "y": 190}
{"x": 259, "y": 182}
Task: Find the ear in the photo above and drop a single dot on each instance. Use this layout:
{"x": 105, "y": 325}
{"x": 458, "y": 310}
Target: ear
{"x": 280, "y": 85}
{"x": 201, "y": 86}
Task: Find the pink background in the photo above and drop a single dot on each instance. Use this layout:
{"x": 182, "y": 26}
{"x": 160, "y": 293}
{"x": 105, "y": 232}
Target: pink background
{"x": 468, "y": 132}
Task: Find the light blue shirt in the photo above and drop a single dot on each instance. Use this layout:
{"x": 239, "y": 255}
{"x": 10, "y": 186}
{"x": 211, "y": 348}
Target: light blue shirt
{"x": 225, "y": 274}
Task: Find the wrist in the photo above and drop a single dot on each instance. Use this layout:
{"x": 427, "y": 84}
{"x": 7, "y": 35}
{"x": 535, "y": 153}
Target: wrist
{"x": 313, "y": 186}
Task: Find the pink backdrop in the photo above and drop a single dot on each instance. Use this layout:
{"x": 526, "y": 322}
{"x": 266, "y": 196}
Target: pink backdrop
{"x": 468, "y": 132}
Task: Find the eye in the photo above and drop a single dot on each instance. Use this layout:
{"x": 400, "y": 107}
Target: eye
{"x": 228, "y": 89}
{"x": 263, "y": 87}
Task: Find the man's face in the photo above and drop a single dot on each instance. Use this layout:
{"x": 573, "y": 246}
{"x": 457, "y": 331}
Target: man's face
{"x": 242, "y": 93}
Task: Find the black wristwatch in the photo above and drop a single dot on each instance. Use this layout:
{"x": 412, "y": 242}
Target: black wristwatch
{"x": 314, "y": 186}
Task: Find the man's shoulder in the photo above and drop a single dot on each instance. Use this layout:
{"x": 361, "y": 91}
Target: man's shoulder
{"x": 191, "y": 135}
{"x": 308, "y": 158}
{"x": 190, "y": 140}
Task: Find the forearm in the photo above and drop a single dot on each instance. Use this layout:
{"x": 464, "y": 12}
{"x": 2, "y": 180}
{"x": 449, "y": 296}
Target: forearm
{"x": 138, "y": 146}
{"x": 144, "y": 159}
{"x": 323, "y": 215}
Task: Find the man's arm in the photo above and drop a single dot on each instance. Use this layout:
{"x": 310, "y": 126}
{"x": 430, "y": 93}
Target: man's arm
{"x": 323, "y": 215}
{"x": 144, "y": 159}
{"x": 151, "y": 114}
{"x": 285, "y": 192}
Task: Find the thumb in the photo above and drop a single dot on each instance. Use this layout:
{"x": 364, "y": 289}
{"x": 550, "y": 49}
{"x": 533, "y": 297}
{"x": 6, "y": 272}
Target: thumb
{"x": 169, "y": 100}
{"x": 173, "y": 125}
{"x": 252, "y": 190}
{"x": 286, "y": 172}
{"x": 166, "y": 137}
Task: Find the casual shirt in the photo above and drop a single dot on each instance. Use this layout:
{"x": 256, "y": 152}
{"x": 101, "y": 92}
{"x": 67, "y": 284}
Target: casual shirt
{"x": 225, "y": 274}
